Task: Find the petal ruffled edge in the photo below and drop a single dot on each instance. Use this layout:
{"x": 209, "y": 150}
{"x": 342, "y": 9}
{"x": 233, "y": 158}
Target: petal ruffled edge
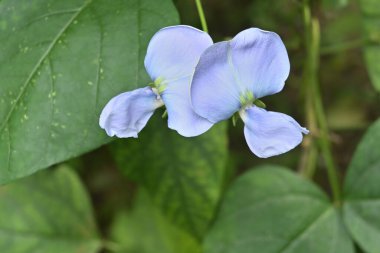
{"x": 174, "y": 51}
{"x": 254, "y": 63}
{"x": 126, "y": 114}
{"x": 271, "y": 133}
{"x": 261, "y": 61}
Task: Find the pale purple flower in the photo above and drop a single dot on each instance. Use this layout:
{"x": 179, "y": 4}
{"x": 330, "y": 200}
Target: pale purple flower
{"x": 231, "y": 76}
{"x": 172, "y": 55}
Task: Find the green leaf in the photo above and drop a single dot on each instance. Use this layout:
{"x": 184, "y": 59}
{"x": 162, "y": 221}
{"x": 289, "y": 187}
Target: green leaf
{"x": 183, "y": 175}
{"x": 371, "y": 23}
{"x": 48, "y": 212}
{"x": 362, "y": 192}
{"x": 146, "y": 230}
{"x": 60, "y": 62}
{"x": 271, "y": 210}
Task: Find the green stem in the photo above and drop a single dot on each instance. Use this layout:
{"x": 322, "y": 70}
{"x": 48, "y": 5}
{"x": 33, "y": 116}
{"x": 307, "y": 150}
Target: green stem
{"x": 201, "y": 15}
{"x": 308, "y": 162}
{"x": 324, "y": 139}
{"x": 313, "y": 52}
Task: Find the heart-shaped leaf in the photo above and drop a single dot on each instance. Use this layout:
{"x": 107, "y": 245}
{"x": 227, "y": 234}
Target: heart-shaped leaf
{"x": 47, "y": 212}
{"x": 60, "y": 62}
{"x": 362, "y": 192}
{"x": 271, "y": 210}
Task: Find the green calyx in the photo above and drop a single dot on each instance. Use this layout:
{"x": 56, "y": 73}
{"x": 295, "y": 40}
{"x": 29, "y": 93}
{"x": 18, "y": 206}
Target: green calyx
{"x": 259, "y": 103}
{"x": 158, "y": 84}
{"x": 234, "y": 119}
{"x": 165, "y": 114}
{"x": 248, "y": 99}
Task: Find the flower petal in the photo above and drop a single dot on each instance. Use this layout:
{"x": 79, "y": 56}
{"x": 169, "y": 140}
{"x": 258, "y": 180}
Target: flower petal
{"x": 270, "y": 133}
{"x": 181, "y": 116}
{"x": 126, "y": 114}
{"x": 174, "y": 51}
{"x": 260, "y": 60}
{"x": 254, "y": 61}
{"x": 214, "y": 90}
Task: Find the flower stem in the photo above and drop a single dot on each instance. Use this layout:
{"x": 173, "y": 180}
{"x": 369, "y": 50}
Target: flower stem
{"x": 314, "y": 97}
{"x": 201, "y": 15}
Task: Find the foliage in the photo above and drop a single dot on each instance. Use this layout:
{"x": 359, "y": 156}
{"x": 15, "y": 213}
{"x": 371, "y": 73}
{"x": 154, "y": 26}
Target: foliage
{"x": 146, "y": 230}
{"x": 49, "y": 211}
{"x": 191, "y": 172}
{"x": 283, "y": 213}
{"x": 371, "y": 22}
{"x": 362, "y": 192}
{"x": 61, "y": 61}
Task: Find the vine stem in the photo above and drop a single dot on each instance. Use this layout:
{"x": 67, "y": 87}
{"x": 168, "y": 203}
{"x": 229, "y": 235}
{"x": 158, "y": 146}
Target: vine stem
{"x": 324, "y": 139}
{"x": 315, "y": 106}
{"x": 308, "y": 163}
{"x": 201, "y": 15}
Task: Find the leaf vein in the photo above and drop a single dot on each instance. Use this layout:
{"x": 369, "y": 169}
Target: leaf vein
{"x": 304, "y": 230}
{"x": 40, "y": 62}
{"x": 9, "y": 148}
{"x": 52, "y": 99}
{"x": 100, "y": 50}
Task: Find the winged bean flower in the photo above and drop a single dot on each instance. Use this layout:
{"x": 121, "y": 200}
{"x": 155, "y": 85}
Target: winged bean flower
{"x": 171, "y": 57}
{"x": 232, "y": 76}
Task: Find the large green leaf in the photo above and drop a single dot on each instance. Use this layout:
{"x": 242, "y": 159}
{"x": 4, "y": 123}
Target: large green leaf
{"x": 48, "y": 212}
{"x": 184, "y": 175}
{"x": 146, "y": 230}
{"x": 362, "y": 192}
{"x": 371, "y": 24}
{"x": 60, "y": 62}
{"x": 271, "y": 210}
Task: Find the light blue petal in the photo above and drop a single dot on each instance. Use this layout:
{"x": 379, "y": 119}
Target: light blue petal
{"x": 270, "y": 133}
{"x": 214, "y": 90}
{"x": 126, "y": 114}
{"x": 174, "y": 51}
{"x": 172, "y": 55}
{"x": 181, "y": 116}
{"x": 254, "y": 61}
{"x": 261, "y": 61}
